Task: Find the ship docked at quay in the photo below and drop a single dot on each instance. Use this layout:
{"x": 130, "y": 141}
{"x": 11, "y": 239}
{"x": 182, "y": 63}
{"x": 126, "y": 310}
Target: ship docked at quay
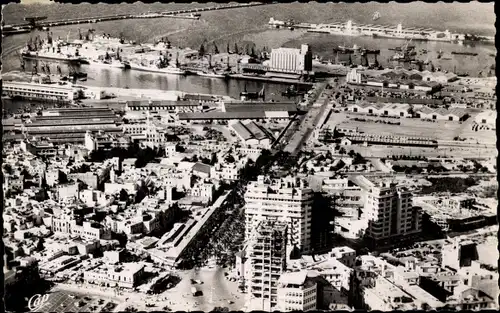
{"x": 350, "y": 28}
{"x": 161, "y": 65}
{"x": 109, "y": 63}
{"x": 56, "y": 50}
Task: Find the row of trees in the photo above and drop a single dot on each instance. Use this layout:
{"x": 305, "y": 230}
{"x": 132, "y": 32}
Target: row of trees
{"x": 143, "y": 156}
{"x": 449, "y": 184}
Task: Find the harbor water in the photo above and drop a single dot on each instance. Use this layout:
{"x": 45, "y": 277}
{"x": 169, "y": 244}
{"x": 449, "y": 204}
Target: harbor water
{"x": 254, "y": 29}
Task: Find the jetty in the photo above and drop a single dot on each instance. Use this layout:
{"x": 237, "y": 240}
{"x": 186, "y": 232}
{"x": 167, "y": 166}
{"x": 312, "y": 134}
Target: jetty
{"x": 193, "y": 13}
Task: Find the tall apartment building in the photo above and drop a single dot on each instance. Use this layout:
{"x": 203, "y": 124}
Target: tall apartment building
{"x": 291, "y": 60}
{"x": 267, "y": 256}
{"x": 389, "y": 210}
{"x": 286, "y": 199}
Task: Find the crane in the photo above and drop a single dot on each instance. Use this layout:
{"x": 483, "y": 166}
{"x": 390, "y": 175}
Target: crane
{"x": 20, "y": 59}
{"x": 34, "y": 71}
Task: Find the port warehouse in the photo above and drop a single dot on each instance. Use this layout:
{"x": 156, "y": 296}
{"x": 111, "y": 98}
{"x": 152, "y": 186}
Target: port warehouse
{"x": 252, "y": 134}
{"x": 164, "y": 105}
{"x": 66, "y": 125}
{"x": 410, "y": 85}
{"x": 244, "y": 111}
{"x": 351, "y": 135}
{"x": 437, "y": 102}
{"x": 402, "y": 110}
{"x": 39, "y": 91}
{"x": 373, "y": 139}
{"x": 70, "y": 125}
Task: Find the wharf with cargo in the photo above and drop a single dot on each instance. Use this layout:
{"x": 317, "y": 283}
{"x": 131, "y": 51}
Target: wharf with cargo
{"x": 350, "y": 28}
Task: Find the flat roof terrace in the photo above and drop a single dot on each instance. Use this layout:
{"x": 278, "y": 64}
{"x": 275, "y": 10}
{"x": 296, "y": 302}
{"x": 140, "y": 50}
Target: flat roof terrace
{"x": 162, "y": 103}
{"x": 65, "y": 110}
{"x": 71, "y": 122}
{"x": 260, "y": 106}
{"x": 222, "y": 115}
{"x": 75, "y": 117}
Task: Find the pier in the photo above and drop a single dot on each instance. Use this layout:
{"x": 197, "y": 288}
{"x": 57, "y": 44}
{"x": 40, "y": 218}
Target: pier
{"x": 270, "y": 79}
{"x": 350, "y": 28}
{"x": 186, "y": 13}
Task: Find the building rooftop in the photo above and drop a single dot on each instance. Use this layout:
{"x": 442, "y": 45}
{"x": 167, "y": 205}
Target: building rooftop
{"x": 221, "y": 115}
{"x": 293, "y": 278}
{"x": 250, "y": 130}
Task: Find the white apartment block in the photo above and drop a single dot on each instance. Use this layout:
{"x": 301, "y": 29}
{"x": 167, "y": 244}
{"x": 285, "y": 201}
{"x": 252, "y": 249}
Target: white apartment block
{"x": 345, "y": 255}
{"x": 148, "y": 133}
{"x": 127, "y": 275}
{"x": 203, "y": 191}
{"x": 297, "y": 292}
{"x": 288, "y": 200}
{"x": 389, "y": 209}
{"x": 335, "y": 272}
{"x": 65, "y": 223}
{"x": 267, "y": 258}
{"x": 227, "y": 171}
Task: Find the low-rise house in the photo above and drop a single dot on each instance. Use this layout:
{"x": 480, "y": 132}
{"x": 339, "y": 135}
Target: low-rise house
{"x": 296, "y": 292}
{"x": 126, "y": 275}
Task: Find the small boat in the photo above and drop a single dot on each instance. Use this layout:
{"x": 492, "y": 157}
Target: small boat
{"x": 464, "y": 53}
{"x": 108, "y": 63}
{"x": 371, "y": 51}
{"x": 376, "y": 16}
{"x": 344, "y": 49}
{"x": 211, "y": 74}
{"x": 156, "y": 69}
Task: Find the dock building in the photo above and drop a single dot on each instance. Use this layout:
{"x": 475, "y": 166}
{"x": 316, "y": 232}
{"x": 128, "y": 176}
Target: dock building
{"x": 244, "y": 110}
{"x": 36, "y": 91}
{"x": 409, "y": 83}
{"x": 487, "y": 118}
{"x": 291, "y": 60}
{"x": 252, "y": 134}
{"x": 70, "y": 125}
{"x": 164, "y": 105}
